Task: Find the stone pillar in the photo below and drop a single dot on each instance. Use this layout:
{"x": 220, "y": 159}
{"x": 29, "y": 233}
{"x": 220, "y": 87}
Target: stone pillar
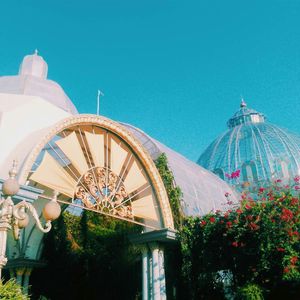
{"x": 145, "y": 270}
{"x": 20, "y": 272}
{"x": 155, "y": 272}
{"x": 162, "y": 277}
{"x": 26, "y": 279}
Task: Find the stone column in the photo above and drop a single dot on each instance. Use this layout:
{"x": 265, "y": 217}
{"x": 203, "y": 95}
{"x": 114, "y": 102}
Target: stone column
{"x": 26, "y": 279}
{"x": 145, "y": 270}
{"x": 20, "y": 272}
{"x": 162, "y": 278}
{"x": 155, "y": 272}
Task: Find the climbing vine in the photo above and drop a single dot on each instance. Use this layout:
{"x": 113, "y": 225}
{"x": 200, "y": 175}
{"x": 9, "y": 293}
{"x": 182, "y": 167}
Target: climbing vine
{"x": 88, "y": 257}
{"x": 173, "y": 191}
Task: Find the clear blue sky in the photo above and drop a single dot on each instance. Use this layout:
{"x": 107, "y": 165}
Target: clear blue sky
{"x": 176, "y": 69}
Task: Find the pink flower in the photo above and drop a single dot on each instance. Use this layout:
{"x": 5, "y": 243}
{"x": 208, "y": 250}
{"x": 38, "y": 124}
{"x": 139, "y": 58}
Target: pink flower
{"x": 297, "y": 178}
{"x": 297, "y": 187}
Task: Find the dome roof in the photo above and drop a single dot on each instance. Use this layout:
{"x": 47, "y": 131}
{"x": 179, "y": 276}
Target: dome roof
{"x": 32, "y": 80}
{"x": 202, "y": 190}
{"x": 260, "y": 150}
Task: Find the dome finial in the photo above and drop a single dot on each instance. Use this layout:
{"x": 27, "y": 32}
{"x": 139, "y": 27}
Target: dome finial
{"x": 34, "y": 65}
{"x": 243, "y": 103}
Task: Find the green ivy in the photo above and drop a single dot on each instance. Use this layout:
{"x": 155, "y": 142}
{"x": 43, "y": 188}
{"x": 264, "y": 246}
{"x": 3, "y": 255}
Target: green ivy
{"x": 173, "y": 191}
{"x": 88, "y": 257}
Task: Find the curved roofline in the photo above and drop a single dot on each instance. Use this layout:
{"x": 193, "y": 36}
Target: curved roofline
{"x": 203, "y": 191}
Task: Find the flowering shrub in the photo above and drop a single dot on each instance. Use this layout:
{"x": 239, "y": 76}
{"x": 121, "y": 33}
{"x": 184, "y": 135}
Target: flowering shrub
{"x": 258, "y": 242}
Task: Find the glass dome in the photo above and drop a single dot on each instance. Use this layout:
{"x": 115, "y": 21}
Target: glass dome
{"x": 252, "y": 150}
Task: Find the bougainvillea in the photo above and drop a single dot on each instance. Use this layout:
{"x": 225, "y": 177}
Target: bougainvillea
{"x": 256, "y": 243}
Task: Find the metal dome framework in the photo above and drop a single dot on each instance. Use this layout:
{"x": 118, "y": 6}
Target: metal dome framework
{"x": 260, "y": 150}
{"x": 202, "y": 191}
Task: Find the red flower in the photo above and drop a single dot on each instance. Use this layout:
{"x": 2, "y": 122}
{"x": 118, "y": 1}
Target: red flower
{"x": 239, "y": 211}
{"x": 247, "y": 206}
{"x": 212, "y": 220}
{"x": 286, "y": 270}
{"x": 278, "y": 180}
{"x": 228, "y": 224}
{"x": 235, "y": 244}
{"x": 261, "y": 190}
{"x": 279, "y": 249}
{"x": 253, "y": 226}
{"x": 294, "y": 201}
{"x": 287, "y": 215}
{"x": 203, "y": 223}
{"x": 294, "y": 260}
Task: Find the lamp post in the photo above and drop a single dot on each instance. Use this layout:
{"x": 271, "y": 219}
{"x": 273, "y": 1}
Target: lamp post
{"x": 15, "y": 216}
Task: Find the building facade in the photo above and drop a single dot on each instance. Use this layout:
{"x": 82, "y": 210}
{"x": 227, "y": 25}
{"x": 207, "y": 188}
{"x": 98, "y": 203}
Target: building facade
{"x": 93, "y": 163}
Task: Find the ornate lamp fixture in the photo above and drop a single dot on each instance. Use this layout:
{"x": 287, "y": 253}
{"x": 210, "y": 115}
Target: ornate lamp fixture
{"x": 15, "y": 216}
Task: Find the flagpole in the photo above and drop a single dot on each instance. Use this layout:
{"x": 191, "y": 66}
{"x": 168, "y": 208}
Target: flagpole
{"x": 98, "y": 101}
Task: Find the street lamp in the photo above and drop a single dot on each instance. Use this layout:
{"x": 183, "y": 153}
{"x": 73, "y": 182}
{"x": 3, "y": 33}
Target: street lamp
{"x": 15, "y": 216}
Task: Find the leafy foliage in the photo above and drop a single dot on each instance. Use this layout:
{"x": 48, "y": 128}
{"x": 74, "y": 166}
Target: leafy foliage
{"x": 173, "y": 191}
{"x": 250, "y": 292}
{"x": 11, "y": 290}
{"x": 89, "y": 256}
{"x": 257, "y": 243}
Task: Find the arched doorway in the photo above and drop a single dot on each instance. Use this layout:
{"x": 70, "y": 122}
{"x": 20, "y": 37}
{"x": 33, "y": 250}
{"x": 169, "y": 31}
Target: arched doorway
{"x": 92, "y": 163}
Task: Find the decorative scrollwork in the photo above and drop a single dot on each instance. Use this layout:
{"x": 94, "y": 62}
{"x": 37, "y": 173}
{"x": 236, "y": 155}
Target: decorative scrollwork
{"x": 103, "y": 190}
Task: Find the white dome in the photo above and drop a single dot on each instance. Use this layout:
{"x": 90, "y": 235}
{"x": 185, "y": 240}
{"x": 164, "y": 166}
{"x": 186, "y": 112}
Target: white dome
{"x": 23, "y": 122}
{"x": 32, "y": 80}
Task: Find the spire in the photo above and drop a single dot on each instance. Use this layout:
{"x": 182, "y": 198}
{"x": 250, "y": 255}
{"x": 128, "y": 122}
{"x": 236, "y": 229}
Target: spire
{"x": 243, "y": 103}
